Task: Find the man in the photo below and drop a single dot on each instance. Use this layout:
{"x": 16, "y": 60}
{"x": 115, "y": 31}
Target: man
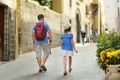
{"x": 42, "y": 45}
{"x": 83, "y": 36}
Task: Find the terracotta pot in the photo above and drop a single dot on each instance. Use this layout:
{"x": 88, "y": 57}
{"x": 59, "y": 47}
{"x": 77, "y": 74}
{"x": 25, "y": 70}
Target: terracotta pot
{"x": 113, "y": 72}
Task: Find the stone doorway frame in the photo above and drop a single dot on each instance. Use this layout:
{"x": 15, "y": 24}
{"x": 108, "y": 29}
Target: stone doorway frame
{"x": 78, "y": 26}
{"x": 9, "y": 33}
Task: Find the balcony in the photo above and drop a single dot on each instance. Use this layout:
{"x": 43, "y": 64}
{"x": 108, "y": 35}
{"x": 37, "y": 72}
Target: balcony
{"x": 94, "y": 1}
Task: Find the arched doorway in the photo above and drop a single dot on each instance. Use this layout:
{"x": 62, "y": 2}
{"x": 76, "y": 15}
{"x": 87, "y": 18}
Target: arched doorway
{"x": 78, "y": 28}
{"x": 5, "y": 22}
{"x": 1, "y": 30}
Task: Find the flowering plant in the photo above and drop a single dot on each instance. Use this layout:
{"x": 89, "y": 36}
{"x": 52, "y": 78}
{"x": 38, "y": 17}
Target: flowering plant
{"x": 108, "y": 49}
{"x": 108, "y": 57}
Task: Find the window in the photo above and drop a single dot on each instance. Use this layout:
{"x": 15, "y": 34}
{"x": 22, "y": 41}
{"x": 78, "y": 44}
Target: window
{"x": 86, "y": 28}
{"x": 70, "y": 21}
{"x": 70, "y": 4}
{"x": 86, "y": 10}
{"x": 118, "y": 12}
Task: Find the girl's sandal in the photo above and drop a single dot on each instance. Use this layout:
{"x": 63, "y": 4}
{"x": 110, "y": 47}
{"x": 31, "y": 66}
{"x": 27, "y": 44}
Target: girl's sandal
{"x": 65, "y": 73}
{"x": 70, "y": 69}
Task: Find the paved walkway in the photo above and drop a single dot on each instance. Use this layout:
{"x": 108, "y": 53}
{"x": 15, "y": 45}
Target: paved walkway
{"x": 25, "y": 67}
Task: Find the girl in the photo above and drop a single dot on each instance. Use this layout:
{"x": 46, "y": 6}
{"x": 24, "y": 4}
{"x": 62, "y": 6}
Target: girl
{"x": 67, "y": 46}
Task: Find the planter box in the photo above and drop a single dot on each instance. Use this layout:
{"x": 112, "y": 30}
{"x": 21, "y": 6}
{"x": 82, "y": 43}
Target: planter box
{"x": 113, "y": 72}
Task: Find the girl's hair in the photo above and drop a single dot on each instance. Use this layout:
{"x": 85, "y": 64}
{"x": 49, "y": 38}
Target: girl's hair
{"x": 67, "y": 30}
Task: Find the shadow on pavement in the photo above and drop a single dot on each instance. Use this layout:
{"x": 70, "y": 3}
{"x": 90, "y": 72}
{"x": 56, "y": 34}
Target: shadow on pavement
{"x": 34, "y": 76}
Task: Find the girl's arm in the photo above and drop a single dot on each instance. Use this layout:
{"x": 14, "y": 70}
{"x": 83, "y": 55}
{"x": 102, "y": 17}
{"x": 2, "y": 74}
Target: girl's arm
{"x": 74, "y": 46}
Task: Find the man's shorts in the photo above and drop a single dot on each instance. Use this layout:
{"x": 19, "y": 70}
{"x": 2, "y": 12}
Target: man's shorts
{"x": 42, "y": 49}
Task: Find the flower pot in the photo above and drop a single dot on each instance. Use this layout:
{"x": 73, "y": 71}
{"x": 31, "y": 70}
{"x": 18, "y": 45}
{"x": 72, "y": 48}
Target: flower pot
{"x": 113, "y": 72}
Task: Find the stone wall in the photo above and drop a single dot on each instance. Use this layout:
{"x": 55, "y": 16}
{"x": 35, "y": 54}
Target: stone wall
{"x": 29, "y": 12}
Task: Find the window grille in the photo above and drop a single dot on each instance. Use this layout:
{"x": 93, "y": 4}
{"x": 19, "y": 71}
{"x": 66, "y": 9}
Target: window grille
{"x": 6, "y": 52}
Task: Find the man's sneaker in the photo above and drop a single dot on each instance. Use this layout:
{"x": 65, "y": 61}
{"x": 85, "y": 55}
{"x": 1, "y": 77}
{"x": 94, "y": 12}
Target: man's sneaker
{"x": 44, "y": 68}
{"x": 40, "y": 70}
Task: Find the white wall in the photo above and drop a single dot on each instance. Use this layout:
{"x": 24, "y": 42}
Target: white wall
{"x": 109, "y": 10}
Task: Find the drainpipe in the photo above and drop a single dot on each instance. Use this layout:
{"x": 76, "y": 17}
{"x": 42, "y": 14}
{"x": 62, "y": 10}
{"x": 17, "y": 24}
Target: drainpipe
{"x": 18, "y": 26}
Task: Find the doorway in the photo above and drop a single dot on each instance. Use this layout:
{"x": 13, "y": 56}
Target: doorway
{"x": 1, "y": 31}
{"x": 78, "y": 28}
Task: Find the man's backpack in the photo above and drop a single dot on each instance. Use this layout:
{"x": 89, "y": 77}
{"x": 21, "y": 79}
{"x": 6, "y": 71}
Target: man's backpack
{"x": 40, "y": 31}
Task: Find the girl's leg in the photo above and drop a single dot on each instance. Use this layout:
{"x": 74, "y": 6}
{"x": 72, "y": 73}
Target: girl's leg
{"x": 70, "y": 63}
{"x": 64, "y": 65}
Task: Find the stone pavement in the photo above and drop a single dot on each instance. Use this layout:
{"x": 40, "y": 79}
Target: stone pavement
{"x": 26, "y": 68}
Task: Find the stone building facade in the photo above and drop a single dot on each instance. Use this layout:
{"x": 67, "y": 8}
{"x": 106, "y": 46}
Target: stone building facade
{"x": 7, "y": 29}
{"x": 84, "y": 15}
{"x": 94, "y": 19}
{"x": 74, "y": 10}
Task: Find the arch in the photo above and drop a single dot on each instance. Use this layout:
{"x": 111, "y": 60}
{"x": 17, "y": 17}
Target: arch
{"x": 78, "y": 25}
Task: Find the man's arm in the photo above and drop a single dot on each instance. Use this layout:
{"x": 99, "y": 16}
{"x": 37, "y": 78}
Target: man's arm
{"x": 33, "y": 37}
{"x": 50, "y": 35}
{"x": 33, "y": 34}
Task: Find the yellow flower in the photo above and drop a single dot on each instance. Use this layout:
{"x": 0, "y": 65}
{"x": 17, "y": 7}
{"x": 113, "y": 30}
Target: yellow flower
{"x": 109, "y": 55}
{"x": 102, "y": 52}
{"x": 107, "y": 61}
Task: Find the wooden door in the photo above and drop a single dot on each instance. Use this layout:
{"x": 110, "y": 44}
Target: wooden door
{"x": 1, "y": 30}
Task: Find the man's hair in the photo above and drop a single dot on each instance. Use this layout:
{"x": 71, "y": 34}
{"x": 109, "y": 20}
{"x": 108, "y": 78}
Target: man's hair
{"x": 40, "y": 16}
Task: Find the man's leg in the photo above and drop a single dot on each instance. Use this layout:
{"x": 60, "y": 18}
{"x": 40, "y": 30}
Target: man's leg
{"x": 39, "y": 56}
{"x": 82, "y": 40}
{"x": 44, "y": 61}
{"x": 45, "y": 58}
{"x": 46, "y": 52}
{"x": 39, "y": 61}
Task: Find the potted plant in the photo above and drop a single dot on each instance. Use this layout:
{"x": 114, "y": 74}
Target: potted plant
{"x": 108, "y": 52}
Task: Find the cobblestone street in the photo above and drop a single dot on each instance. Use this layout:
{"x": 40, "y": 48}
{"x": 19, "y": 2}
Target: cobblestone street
{"x": 25, "y": 67}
